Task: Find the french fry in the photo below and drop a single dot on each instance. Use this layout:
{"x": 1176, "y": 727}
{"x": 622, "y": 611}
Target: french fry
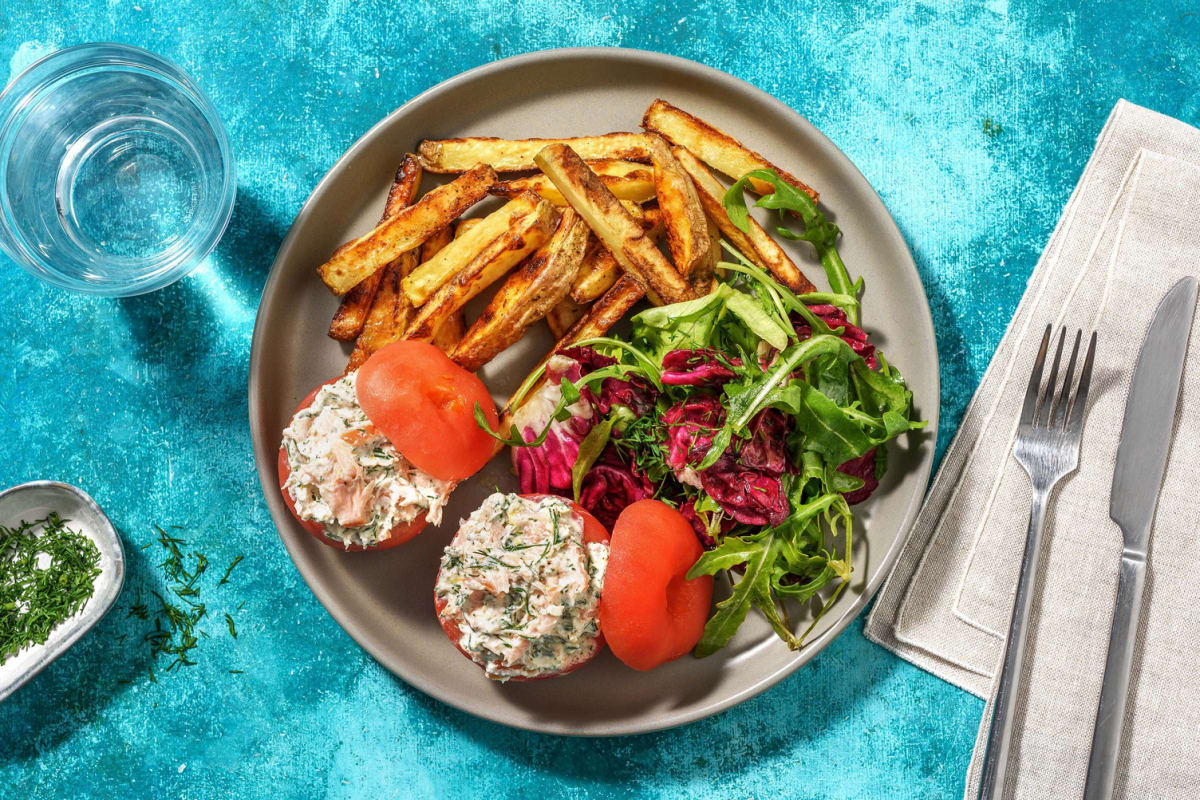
{"x": 390, "y": 312}
{"x": 536, "y": 287}
{"x": 652, "y": 222}
{"x": 717, "y": 149}
{"x": 627, "y": 180}
{"x": 516, "y": 155}
{"x": 600, "y": 269}
{"x": 563, "y": 315}
{"x": 434, "y": 244}
{"x": 527, "y": 234}
{"x": 597, "y": 273}
{"x": 405, "y": 231}
{"x": 352, "y": 312}
{"x": 472, "y": 239}
{"x": 448, "y": 335}
{"x": 706, "y": 270}
{"x": 464, "y": 226}
{"x": 755, "y": 245}
{"x": 687, "y": 230}
{"x": 612, "y": 224}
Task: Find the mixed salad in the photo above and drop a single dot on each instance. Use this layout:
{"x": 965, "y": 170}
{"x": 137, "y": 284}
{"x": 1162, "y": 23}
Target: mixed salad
{"x": 761, "y": 415}
{"x": 728, "y": 434}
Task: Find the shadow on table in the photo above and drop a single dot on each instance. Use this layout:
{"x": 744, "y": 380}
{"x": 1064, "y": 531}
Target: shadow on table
{"x": 75, "y": 689}
{"x": 782, "y": 720}
{"x": 178, "y": 325}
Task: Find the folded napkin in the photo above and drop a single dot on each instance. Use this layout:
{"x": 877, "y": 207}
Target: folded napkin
{"x": 1130, "y": 230}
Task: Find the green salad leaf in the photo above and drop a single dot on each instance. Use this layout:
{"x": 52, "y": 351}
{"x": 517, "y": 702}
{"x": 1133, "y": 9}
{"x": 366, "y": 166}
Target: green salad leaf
{"x": 818, "y": 231}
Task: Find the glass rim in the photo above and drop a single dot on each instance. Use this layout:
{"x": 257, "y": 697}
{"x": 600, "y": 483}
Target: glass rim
{"x": 60, "y": 65}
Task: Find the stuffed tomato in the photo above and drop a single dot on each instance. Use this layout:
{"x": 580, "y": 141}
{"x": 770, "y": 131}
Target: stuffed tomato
{"x": 371, "y": 457}
{"x": 518, "y": 591}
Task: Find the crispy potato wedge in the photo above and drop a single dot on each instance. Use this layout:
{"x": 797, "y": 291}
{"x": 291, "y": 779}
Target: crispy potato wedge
{"x": 600, "y": 269}
{"x": 563, "y": 315}
{"x": 627, "y": 180}
{"x": 687, "y": 230}
{"x": 528, "y": 233}
{"x": 471, "y": 240}
{"x": 717, "y": 149}
{"x": 390, "y": 312}
{"x": 756, "y": 245}
{"x": 612, "y": 224}
{"x": 434, "y": 244}
{"x": 706, "y": 270}
{"x": 451, "y": 331}
{"x": 532, "y": 290}
{"x": 406, "y": 230}
{"x": 597, "y": 273}
{"x": 516, "y": 155}
{"x": 351, "y": 314}
{"x": 652, "y": 222}
{"x": 464, "y": 226}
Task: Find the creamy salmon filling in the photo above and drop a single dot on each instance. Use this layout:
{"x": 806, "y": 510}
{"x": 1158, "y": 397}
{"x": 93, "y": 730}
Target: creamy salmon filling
{"x": 348, "y": 477}
{"x": 522, "y": 587}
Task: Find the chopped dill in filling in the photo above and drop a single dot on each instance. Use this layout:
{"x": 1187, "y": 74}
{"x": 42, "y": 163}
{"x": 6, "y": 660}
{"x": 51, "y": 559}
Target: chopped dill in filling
{"x": 348, "y": 477}
{"x": 522, "y": 587}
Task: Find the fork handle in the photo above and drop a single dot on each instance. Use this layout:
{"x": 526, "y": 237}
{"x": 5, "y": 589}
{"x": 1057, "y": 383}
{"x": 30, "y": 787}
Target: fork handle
{"x": 999, "y": 741}
{"x": 1110, "y": 719}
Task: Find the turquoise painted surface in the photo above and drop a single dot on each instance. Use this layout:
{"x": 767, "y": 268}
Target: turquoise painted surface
{"x": 973, "y": 122}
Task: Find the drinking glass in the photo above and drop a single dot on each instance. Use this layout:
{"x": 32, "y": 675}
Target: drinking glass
{"x": 116, "y": 177}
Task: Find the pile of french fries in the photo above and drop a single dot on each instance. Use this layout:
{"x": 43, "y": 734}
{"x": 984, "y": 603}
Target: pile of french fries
{"x": 577, "y": 243}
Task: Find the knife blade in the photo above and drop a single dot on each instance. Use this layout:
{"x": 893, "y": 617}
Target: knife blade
{"x": 1141, "y": 462}
{"x": 1150, "y": 415}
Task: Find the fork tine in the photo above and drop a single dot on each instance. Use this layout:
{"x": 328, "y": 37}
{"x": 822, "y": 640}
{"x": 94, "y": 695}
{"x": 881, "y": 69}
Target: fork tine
{"x": 1045, "y": 406}
{"x": 1029, "y": 409}
{"x": 1078, "y": 408}
{"x": 1058, "y": 413}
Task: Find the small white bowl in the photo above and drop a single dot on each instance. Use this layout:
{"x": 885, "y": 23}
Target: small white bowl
{"x": 33, "y": 501}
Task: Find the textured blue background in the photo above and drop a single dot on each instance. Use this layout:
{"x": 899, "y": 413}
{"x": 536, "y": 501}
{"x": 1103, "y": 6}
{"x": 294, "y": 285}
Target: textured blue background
{"x": 973, "y": 124}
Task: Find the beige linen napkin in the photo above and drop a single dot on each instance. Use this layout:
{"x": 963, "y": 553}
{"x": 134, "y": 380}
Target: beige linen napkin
{"x": 1130, "y": 230}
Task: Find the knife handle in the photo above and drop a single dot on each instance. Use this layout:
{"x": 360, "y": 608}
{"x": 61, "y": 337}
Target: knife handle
{"x": 1110, "y": 718}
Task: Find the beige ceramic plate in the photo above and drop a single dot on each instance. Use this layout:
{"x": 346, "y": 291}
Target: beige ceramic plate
{"x": 385, "y": 600}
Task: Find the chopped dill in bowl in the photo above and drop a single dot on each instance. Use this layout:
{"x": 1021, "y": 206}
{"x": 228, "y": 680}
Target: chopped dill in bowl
{"x": 48, "y": 573}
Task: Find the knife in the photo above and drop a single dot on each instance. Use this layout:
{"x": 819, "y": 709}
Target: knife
{"x": 1141, "y": 461}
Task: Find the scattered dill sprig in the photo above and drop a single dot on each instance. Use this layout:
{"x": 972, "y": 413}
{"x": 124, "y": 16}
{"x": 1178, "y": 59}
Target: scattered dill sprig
{"x": 229, "y": 569}
{"x": 47, "y": 573}
{"x": 178, "y": 610}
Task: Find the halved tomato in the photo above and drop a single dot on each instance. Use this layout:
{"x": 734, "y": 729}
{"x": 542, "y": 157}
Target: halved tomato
{"x": 649, "y": 612}
{"x": 400, "y": 534}
{"x": 424, "y": 404}
{"x": 593, "y": 531}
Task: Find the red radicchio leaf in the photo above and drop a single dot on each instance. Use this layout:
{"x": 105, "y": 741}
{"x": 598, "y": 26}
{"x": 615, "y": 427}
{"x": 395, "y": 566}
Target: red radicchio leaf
{"x": 834, "y": 317}
{"x": 748, "y": 496}
{"x": 691, "y": 426}
{"x": 695, "y": 368}
{"x": 611, "y": 485}
{"x": 862, "y": 467}
{"x": 766, "y": 449}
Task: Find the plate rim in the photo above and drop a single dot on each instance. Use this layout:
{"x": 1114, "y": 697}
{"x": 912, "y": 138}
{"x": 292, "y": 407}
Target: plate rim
{"x": 265, "y": 462}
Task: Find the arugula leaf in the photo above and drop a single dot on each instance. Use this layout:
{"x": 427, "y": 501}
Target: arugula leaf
{"x": 754, "y": 589}
{"x": 569, "y": 396}
{"x": 818, "y": 231}
{"x": 647, "y": 366}
{"x": 746, "y": 400}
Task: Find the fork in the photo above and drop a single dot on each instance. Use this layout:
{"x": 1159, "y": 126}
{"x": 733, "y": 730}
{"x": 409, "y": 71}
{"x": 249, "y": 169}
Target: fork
{"x": 1047, "y": 446}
